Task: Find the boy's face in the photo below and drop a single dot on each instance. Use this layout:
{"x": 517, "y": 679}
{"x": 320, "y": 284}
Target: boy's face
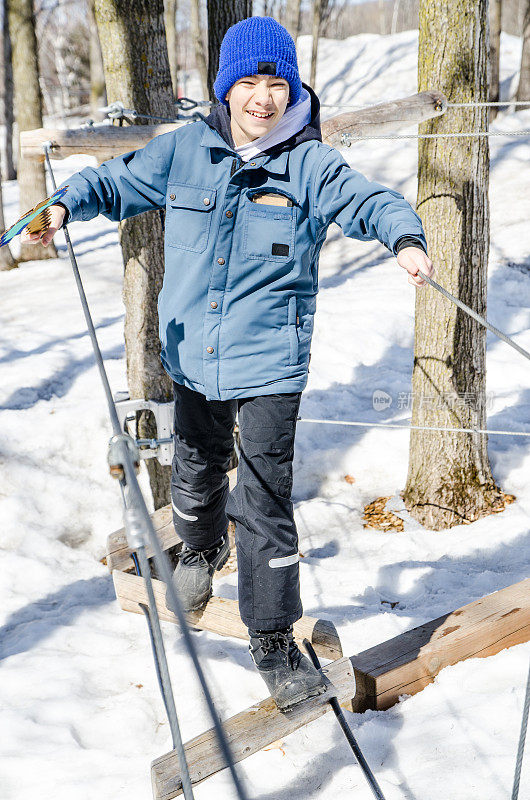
{"x": 257, "y": 103}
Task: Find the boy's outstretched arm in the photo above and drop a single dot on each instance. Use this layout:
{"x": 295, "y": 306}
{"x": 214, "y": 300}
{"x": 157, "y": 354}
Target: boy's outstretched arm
{"x": 367, "y": 210}
{"x": 119, "y": 188}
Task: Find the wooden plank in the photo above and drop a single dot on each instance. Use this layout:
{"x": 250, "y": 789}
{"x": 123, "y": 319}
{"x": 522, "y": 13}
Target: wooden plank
{"x": 248, "y": 732}
{"x": 407, "y": 663}
{"x": 108, "y": 141}
{"x": 118, "y": 551}
{"x": 221, "y": 615}
{"x": 402, "y": 665}
{"x": 384, "y": 117}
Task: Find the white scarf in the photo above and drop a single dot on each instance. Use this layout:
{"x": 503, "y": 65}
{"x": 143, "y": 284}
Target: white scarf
{"x": 295, "y": 118}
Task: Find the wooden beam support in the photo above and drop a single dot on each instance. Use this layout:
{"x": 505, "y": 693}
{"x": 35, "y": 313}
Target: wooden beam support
{"x": 118, "y": 551}
{"x": 375, "y": 679}
{"x": 384, "y": 117}
{"x": 221, "y": 615}
{"x": 108, "y": 141}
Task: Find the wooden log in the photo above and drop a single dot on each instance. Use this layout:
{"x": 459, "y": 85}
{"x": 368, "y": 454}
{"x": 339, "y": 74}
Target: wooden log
{"x": 384, "y": 117}
{"x": 107, "y": 141}
{"x": 118, "y": 551}
{"x": 221, "y": 615}
{"x": 248, "y": 732}
{"x": 375, "y": 679}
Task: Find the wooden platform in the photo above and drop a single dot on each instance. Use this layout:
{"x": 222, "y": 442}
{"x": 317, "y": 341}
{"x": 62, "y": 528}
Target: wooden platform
{"x": 375, "y": 679}
{"x": 221, "y": 615}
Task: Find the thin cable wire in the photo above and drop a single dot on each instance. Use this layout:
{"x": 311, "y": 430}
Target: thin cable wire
{"x": 522, "y": 739}
{"x": 137, "y": 502}
{"x": 349, "y": 137}
{"x": 406, "y": 427}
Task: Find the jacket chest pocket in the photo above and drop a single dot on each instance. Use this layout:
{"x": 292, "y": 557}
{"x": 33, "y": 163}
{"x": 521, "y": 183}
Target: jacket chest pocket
{"x": 189, "y": 216}
{"x": 269, "y": 232}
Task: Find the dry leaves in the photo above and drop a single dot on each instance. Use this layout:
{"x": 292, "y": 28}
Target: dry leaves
{"x": 376, "y": 517}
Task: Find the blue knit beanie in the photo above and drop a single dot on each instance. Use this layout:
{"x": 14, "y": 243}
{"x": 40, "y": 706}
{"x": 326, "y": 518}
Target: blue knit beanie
{"x": 257, "y": 46}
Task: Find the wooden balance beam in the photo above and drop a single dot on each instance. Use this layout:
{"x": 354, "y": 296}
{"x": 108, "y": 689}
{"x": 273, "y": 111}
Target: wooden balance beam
{"x": 221, "y": 615}
{"x": 375, "y": 679}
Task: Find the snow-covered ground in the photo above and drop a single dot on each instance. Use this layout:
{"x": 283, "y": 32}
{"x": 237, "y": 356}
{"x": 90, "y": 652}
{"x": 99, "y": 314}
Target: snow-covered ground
{"x": 81, "y": 716}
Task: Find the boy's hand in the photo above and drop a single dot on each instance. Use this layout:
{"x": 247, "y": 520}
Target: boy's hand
{"x": 56, "y": 219}
{"x": 413, "y": 259}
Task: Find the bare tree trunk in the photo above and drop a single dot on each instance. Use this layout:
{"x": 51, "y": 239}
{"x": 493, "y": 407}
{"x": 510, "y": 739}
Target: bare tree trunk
{"x": 10, "y": 171}
{"x": 523, "y": 89}
{"x": 222, "y": 14}
{"x": 137, "y": 72}
{"x": 495, "y": 51}
{"x": 6, "y": 258}
{"x": 200, "y": 58}
{"x": 292, "y": 17}
{"x": 170, "y": 16}
{"x": 319, "y": 9}
{"x": 28, "y": 113}
{"x": 98, "y": 95}
{"x": 449, "y": 477}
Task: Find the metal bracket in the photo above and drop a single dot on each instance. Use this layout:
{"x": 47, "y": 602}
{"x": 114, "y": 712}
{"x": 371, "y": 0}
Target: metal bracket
{"x": 163, "y": 446}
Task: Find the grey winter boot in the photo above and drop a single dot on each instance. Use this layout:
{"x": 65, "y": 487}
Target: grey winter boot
{"x": 193, "y": 574}
{"x": 289, "y": 675}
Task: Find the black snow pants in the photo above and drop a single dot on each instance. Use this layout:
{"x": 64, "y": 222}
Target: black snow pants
{"x": 260, "y": 505}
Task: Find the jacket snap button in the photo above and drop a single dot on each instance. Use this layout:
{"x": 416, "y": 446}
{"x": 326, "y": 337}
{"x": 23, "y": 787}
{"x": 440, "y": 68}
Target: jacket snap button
{"x": 206, "y": 201}
{"x": 252, "y": 163}
{"x": 229, "y": 214}
{"x": 221, "y": 261}
{"x": 172, "y": 197}
{"x": 213, "y": 304}
{"x": 209, "y": 349}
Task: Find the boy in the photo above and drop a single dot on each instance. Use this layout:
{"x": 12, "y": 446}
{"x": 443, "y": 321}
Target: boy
{"x": 249, "y": 194}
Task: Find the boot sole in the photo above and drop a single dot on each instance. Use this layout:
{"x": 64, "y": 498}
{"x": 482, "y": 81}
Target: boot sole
{"x": 296, "y": 702}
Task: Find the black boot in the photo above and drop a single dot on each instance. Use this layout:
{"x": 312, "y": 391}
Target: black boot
{"x": 193, "y": 574}
{"x": 289, "y": 675}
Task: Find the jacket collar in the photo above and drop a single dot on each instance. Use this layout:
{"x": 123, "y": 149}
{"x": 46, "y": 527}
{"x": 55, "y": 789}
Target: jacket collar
{"x": 217, "y": 133}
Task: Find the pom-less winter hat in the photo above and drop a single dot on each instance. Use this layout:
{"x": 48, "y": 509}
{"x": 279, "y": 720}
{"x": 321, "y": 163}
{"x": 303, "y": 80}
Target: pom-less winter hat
{"x": 257, "y": 46}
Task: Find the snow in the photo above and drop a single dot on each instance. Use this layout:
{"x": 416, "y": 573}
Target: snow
{"x": 81, "y": 715}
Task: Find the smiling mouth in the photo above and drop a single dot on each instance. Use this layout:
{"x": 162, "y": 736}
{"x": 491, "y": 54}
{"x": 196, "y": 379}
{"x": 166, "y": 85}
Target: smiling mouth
{"x": 257, "y": 115}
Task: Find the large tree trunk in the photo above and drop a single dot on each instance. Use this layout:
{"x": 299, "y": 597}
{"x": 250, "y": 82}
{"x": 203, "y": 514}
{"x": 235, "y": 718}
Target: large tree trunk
{"x": 170, "y": 17}
{"x": 495, "y": 51}
{"x": 28, "y": 113}
{"x": 137, "y": 72}
{"x": 222, "y": 14}
{"x": 98, "y": 95}
{"x": 319, "y": 9}
{"x": 196, "y": 35}
{"x": 523, "y": 89}
{"x": 449, "y": 478}
{"x": 10, "y": 172}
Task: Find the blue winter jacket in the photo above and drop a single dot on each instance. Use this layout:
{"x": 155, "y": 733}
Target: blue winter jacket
{"x": 241, "y": 277}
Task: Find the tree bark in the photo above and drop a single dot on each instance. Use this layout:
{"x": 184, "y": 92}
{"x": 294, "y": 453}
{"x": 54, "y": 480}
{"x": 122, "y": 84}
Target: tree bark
{"x": 222, "y": 14}
{"x": 170, "y": 16}
{"x": 28, "y": 114}
{"x": 319, "y": 9}
{"x": 98, "y": 94}
{"x": 10, "y": 171}
{"x": 137, "y": 72}
{"x": 495, "y": 51}
{"x": 449, "y": 477}
{"x": 196, "y": 35}
{"x": 292, "y": 17}
{"x": 523, "y": 89}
